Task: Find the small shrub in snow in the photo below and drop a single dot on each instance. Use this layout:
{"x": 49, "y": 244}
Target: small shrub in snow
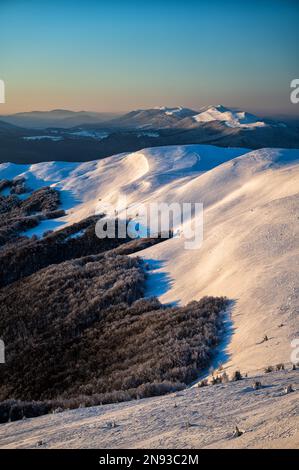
{"x": 187, "y": 424}
{"x": 288, "y": 389}
{"x": 236, "y": 376}
{"x": 237, "y": 432}
{"x": 203, "y": 383}
{"x": 256, "y": 385}
{"x": 224, "y": 378}
{"x": 57, "y": 410}
{"x": 216, "y": 380}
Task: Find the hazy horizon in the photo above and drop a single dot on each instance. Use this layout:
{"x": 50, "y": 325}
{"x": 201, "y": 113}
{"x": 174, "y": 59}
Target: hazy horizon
{"x": 258, "y": 113}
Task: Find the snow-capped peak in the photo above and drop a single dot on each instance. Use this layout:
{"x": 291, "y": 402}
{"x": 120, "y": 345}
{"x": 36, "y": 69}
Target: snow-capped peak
{"x": 229, "y": 117}
{"x": 178, "y": 110}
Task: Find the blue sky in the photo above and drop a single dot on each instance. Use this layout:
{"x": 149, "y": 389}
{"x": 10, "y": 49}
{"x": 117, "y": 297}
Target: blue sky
{"x": 120, "y": 55}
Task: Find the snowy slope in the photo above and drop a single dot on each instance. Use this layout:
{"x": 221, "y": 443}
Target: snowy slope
{"x": 268, "y": 417}
{"x": 140, "y": 175}
{"x": 153, "y": 118}
{"x": 178, "y": 111}
{"x": 230, "y": 118}
{"x": 249, "y": 253}
{"x": 250, "y": 246}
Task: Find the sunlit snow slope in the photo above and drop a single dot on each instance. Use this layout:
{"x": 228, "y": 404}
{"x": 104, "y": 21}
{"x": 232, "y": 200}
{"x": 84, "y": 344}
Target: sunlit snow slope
{"x": 229, "y": 117}
{"x": 250, "y": 246}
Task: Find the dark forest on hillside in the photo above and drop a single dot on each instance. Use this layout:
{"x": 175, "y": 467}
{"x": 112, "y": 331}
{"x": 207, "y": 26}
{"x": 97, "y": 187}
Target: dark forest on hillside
{"x": 76, "y": 328}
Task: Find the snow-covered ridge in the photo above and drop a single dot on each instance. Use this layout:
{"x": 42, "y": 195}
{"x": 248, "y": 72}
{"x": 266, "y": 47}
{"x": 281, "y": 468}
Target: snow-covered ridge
{"x": 138, "y": 175}
{"x": 251, "y": 238}
{"x": 44, "y": 137}
{"x": 229, "y": 117}
{"x": 173, "y": 111}
{"x": 249, "y": 254}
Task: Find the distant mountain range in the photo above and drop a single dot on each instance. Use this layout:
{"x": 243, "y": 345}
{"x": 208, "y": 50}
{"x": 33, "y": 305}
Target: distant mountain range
{"x": 57, "y": 118}
{"x": 6, "y": 128}
{"x": 81, "y": 136}
{"x": 154, "y": 118}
